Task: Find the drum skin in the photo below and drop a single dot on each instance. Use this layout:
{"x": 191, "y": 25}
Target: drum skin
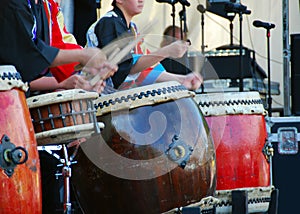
{"x": 100, "y": 191}
{"x": 20, "y": 193}
{"x": 240, "y": 160}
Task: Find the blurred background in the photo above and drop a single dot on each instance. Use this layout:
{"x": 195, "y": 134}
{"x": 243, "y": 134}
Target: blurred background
{"x": 217, "y": 31}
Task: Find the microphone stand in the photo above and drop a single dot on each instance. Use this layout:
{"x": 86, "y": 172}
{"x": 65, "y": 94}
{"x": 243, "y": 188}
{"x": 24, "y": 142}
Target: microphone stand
{"x": 182, "y": 17}
{"x": 173, "y": 22}
{"x": 269, "y": 74}
{"x": 172, "y": 2}
{"x": 202, "y": 10}
{"x": 241, "y": 82}
{"x": 183, "y": 29}
{"x": 231, "y": 33}
{"x": 267, "y": 26}
{"x": 173, "y": 19}
{"x": 240, "y": 10}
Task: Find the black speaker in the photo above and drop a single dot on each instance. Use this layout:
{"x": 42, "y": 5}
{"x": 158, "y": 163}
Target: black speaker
{"x": 295, "y": 73}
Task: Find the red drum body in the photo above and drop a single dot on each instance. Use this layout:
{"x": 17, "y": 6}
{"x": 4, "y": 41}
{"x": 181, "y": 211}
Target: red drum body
{"x": 154, "y": 154}
{"x": 63, "y": 116}
{"x": 20, "y": 167}
{"x": 237, "y": 124}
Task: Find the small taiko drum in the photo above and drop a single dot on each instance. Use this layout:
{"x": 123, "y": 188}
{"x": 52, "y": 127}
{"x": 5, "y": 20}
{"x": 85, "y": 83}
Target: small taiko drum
{"x": 238, "y": 127}
{"x": 154, "y": 154}
{"x": 19, "y": 160}
{"x": 63, "y": 116}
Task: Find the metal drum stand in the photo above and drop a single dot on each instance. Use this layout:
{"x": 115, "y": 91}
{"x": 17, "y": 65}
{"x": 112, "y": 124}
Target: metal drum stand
{"x": 66, "y": 171}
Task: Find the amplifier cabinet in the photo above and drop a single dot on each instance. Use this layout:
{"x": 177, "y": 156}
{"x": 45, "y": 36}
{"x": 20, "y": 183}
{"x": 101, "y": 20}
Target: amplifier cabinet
{"x": 226, "y": 64}
{"x": 284, "y": 136}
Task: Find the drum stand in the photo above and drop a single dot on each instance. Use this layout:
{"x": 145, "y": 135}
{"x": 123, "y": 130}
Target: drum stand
{"x": 66, "y": 173}
{"x": 66, "y": 163}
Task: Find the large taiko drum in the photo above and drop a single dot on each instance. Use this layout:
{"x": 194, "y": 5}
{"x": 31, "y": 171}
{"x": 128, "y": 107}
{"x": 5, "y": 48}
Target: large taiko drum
{"x": 63, "y": 116}
{"x": 238, "y": 127}
{"x": 19, "y": 160}
{"x": 155, "y": 153}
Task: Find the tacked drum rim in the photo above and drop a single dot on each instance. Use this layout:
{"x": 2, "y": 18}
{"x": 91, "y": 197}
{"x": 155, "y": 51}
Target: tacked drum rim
{"x": 141, "y": 96}
{"x": 217, "y": 104}
{"x": 255, "y": 195}
{"x": 258, "y": 200}
{"x": 10, "y": 78}
{"x": 60, "y": 97}
{"x": 66, "y": 134}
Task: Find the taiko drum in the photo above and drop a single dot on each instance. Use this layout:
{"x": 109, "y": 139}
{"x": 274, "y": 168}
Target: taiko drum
{"x": 238, "y": 127}
{"x": 20, "y": 166}
{"x": 155, "y": 153}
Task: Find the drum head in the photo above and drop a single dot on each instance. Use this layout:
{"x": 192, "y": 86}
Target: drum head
{"x": 141, "y": 96}
{"x": 10, "y": 78}
{"x": 216, "y": 104}
{"x": 60, "y": 97}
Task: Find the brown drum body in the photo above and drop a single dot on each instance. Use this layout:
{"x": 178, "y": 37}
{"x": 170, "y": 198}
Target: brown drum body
{"x": 20, "y": 183}
{"x": 152, "y": 157}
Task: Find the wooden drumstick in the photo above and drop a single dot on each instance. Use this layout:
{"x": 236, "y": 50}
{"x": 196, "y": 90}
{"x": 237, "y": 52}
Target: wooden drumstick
{"x": 116, "y": 51}
{"x": 98, "y": 77}
{"x": 115, "y": 55}
{"x": 115, "y": 58}
{"x": 107, "y": 50}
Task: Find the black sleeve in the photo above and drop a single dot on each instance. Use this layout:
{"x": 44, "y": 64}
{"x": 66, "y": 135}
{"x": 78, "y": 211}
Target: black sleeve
{"x": 85, "y": 14}
{"x": 107, "y": 30}
{"x": 176, "y": 66}
{"x": 17, "y": 46}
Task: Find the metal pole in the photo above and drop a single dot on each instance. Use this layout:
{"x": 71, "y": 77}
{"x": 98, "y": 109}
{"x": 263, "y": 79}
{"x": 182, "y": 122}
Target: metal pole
{"x": 286, "y": 58}
{"x": 241, "y": 83}
{"x": 269, "y": 74}
{"x": 66, "y": 172}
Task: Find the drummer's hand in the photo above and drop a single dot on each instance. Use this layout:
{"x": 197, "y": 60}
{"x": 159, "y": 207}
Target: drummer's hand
{"x": 192, "y": 81}
{"x": 107, "y": 70}
{"x": 176, "y": 49}
{"x": 77, "y": 81}
{"x": 71, "y": 82}
{"x": 92, "y": 61}
{"x": 99, "y": 86}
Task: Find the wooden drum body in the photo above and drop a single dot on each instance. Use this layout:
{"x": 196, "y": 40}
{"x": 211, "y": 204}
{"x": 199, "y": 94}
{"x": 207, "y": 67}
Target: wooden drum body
{"x": 20, "y": 166}
{"x": 63, "y": 116}
{"x": 154, "y": 154}
{"x": 237, "y": 124}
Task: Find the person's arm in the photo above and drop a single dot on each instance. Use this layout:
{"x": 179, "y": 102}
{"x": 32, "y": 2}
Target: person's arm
{"x": 83, "y": 56}
{"x": 75, "y": 81}
{"x": 191, "y": 81}
{"x": 43, "y": 84}
{"x": 174, "y": 50}
{"x": 90, "y": 59}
